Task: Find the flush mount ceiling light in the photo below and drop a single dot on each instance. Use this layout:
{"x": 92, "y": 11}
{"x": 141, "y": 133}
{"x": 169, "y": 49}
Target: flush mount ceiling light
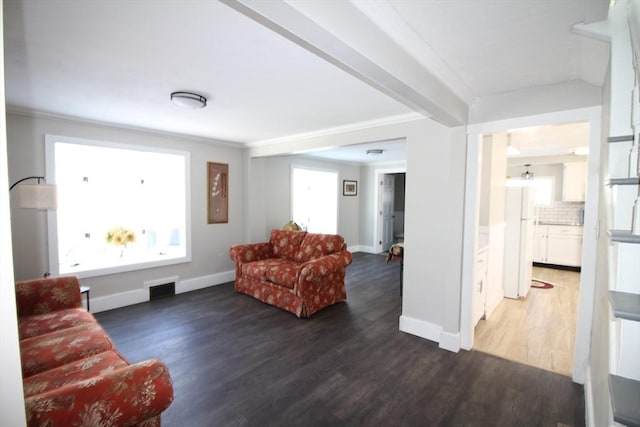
{"x": 188, "y": 100}
{"x": 375, "y": 152}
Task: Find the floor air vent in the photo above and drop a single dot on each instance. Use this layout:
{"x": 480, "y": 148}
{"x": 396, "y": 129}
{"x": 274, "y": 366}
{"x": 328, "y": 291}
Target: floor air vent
{"x": 162, "y": 291}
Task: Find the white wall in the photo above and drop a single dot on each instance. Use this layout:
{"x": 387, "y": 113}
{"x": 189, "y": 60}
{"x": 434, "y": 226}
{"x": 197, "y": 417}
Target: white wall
{"x": 210, "y": 242}
{"x": 11, "y": 391}
{"x": 433, "y": 234}
{"x": 535, "y": 100}
{"x": 272, "y": 178}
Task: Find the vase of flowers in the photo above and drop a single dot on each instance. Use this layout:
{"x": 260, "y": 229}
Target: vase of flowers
{"x": 120, "y": 236}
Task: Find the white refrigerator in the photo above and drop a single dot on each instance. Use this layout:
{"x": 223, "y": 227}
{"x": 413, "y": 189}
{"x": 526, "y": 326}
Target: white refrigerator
{"x": 519, "y": 239}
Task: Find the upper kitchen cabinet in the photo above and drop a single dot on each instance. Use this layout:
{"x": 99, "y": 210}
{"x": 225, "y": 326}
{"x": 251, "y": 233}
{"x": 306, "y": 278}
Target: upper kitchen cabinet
{"x": 574, "y": 181}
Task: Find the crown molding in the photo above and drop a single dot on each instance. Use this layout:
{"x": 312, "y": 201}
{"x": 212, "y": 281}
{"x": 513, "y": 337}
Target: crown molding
{"x": 386, "y": 121}
{"x": 110, "y": 125}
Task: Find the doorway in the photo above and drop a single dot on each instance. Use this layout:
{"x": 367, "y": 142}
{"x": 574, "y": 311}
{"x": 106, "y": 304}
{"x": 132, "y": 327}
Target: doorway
{"x": 592, "y": 116}
{"x": 537, "y": 326}
{"x": 389, "y": 208}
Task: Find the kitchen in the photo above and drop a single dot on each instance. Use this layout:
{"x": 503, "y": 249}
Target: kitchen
{"x": 531, "y": 325}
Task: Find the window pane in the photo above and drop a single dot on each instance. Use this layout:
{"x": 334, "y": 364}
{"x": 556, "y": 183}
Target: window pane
{"x": 118, "y": 206}
{"x": 315, "y": 200}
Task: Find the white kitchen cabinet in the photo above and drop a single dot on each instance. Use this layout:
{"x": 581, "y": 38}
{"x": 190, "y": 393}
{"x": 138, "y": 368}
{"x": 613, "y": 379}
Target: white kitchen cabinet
{"x": 540, "y": 243}
{"x": 558, "y": 245}
{"x": 480, "y": 285}
{"x": 574, "y": 181}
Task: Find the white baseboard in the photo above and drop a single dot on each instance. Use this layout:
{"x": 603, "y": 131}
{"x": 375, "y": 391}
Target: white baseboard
{"x": 449, "y": 341}
{"x": 202, "y": 282}
{"x": 123, "y": 299}
{"x": 361, "y": 248}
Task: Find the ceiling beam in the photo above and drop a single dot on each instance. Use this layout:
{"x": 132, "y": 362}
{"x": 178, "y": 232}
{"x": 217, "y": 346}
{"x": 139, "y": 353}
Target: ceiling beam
{"x": 342, "y": 35}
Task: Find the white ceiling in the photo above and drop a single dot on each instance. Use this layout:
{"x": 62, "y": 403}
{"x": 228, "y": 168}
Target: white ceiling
{"x": 117, "y": 61}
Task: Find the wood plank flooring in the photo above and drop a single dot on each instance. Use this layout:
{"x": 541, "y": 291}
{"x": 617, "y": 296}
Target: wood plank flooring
{"x": 238, "y": 362}
{"x": 540, "y": 330}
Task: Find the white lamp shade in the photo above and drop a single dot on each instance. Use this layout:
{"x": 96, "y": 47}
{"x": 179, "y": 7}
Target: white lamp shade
{"x": 37, "y": 196}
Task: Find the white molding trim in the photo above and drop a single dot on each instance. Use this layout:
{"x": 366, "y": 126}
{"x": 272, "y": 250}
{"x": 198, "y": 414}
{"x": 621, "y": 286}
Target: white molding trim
{"x": 588, "y": 401}
{"x": 163, "y": 281}
{"x": 430, "y": 331}
{"x": 450, "y": 341}
{"x": 38, "y": 114}
{"x": 386, "y": 121}
{"x": 123, "y": 299}
{"x": 202, "y": 282}
{"x": 361, "y": 248}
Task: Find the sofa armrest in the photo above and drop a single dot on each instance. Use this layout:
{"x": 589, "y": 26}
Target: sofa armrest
{"x": 40, "y": 296}
{"x": 125, "y": 396}
{"x": 241, "y": 254}
{"x": 318, "y": 268}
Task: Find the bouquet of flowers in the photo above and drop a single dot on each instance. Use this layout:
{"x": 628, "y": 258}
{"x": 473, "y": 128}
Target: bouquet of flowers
{"x": 120, "y": 236}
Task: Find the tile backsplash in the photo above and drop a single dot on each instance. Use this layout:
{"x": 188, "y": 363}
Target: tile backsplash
{"x": 562, "y": 213}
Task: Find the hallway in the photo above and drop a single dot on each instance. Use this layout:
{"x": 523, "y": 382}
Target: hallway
{"x": 538, "y": 331}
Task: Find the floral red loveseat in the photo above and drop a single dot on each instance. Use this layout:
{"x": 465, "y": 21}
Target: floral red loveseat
{"x": 297, "y": 271}
{"x": 72, "y": 374}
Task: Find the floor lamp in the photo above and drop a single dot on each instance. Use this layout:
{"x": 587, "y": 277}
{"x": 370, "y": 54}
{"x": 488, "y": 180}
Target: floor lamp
{"x": 36, "y": 196}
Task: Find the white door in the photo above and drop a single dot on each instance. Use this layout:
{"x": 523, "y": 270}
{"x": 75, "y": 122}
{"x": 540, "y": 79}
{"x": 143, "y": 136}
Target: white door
{"x": 387, "y": 193}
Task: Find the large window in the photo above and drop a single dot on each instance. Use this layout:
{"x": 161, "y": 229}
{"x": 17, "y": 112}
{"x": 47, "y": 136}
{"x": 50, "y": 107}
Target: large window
{"x": 120, "y": 207}
{"x": 315, "y": 199}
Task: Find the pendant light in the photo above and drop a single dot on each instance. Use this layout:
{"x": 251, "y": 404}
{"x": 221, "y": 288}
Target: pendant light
{"x": 526, "y": 175}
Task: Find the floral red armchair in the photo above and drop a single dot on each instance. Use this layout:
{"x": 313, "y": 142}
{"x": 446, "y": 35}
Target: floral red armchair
{"x": 297, "y": 271}
{"x": 72, "y": 373}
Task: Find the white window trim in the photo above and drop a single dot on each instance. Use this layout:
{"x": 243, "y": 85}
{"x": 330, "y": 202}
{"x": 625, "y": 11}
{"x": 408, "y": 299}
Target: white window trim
{"x": 52, "y": 219}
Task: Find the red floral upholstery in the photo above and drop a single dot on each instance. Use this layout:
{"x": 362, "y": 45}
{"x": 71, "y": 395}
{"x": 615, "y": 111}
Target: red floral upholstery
{"x": 315, "y": 246}
{"x": 122, "y": 397}
{"x": 286, "y": 244}
{"x": 42, "y": 296}
{"x": 57, "y": 348}
{"x": 72, "y": 374}
{"x": 38, "y": 324}
{"x": 300, "y": 283}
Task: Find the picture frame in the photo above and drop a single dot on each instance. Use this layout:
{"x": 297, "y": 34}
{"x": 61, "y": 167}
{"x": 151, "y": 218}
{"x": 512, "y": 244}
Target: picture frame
{"x": 217, "y": 193}
{"x": 349, "y": 188}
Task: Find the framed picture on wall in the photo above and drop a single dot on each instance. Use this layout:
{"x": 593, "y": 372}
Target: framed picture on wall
{"x": 349, "y": 188}
{"x": 217, "y": 193}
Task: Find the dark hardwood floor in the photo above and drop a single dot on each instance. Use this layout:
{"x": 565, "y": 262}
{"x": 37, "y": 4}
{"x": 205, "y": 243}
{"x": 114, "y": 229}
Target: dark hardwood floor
{"x": 238, "y": 362}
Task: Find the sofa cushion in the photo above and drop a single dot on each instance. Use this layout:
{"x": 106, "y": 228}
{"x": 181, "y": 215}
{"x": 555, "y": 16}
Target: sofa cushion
{"x": 58, "y": 348}
{"x": 38, "y": 324}
{"x": 41, "y": 296}
{"x": 315, "y": 245}
{"x": 285, "y": 273}
{"x": 286, "y": 244}
{"x": 73, "y": 372}
{"x": 279, "y": 271}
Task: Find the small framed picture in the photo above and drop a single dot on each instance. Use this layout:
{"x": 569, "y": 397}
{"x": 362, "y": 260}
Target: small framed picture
{"x": 349, "y": 188}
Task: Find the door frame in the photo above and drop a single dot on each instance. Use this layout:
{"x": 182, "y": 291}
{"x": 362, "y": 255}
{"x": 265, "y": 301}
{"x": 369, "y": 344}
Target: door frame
{"x": 377, "y": 203}
{"x": 591, "y": 115}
